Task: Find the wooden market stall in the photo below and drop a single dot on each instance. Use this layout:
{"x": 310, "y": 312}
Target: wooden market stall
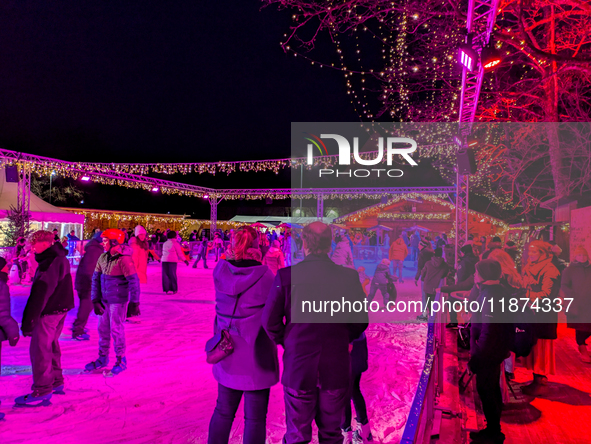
{"x": 407, "y": 213}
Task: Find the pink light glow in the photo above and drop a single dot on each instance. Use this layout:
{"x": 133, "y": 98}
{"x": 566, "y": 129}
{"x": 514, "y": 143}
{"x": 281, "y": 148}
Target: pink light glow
{"x": 155, "y": 189}
{"x": 205, "y": 196}
{"x": 85, "y": 178}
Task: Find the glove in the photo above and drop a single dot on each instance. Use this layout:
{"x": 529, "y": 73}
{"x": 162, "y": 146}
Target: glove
{"x": 13, "y": 341}
{"x": 99, "y": 308}
{"x": 133, "y": 309}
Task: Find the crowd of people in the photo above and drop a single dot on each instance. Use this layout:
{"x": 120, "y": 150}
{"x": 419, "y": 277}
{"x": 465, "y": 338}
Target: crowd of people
{"x": 257, "y": 278}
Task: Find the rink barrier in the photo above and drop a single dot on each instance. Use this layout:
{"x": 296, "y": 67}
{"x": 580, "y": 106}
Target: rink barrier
{"x": 423, "y": 418}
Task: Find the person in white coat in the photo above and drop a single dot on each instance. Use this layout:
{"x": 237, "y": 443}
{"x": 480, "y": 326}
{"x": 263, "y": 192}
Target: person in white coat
{"x": 172, "y": 254}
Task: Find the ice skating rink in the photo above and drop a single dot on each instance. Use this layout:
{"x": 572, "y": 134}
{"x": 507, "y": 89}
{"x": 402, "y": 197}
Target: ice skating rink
{"x": 167, "y": 394}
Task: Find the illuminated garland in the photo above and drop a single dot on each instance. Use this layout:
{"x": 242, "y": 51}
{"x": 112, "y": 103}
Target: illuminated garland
{"x": 377, "y": 209}
{"x": 415, "y": 216}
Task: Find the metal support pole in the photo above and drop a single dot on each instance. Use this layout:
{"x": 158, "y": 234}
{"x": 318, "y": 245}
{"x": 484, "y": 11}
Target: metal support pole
{"x": 24, "y": 190}
{"x": 462, "y": 194}
{"x": 320, "y": 206}
{"x": 213, "y": 215}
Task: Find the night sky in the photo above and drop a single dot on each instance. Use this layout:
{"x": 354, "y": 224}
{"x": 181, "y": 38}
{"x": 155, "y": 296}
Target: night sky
{"x": 157, "y": 82}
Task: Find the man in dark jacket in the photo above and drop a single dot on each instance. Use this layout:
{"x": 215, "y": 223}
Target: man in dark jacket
{"x": 83, "y": 284}
{"x": 490, "y": 339}
{"x": 316, "y": 370}
{"x": 380, "y": 281}
{"x": 494, "y": 244}
{"x": 52, "y": 296}
{"x": 432, "y": 274}
{"x": 464, "y": 279}
{"x": 425, "y": 256}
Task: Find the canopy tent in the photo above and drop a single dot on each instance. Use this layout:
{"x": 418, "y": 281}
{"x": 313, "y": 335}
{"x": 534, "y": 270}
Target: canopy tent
{"x": 379, "y": 227}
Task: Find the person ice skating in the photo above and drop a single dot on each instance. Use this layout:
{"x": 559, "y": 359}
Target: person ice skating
{"x": 397, "y": 254}
{"x": 274, "y": 258}
{"x": 218, "y": 245}
{"x": 72, "y": 242}
{"x": 415, "y": 240}
{"x": 576, "y": 284}
{"x": 464, "y": 279}
{"x": 541, "y": 279}
{"x": 115, "y": 284}
{"x": 382, "y": 279}
{"x": 201, "y": 252}
{"x": 140, "y": 246}
{"x": 83, "y": 285}
{"x": 432, "y": 274}
{"x": 359, "y": 365}
{"x": 342, "y": 254}
{"x": 242, "y": 286}
{"x": 172, "y": 254}
{"x": 8, "y": 325}
{"x": 52, "y": 296}
{"x": 489, "y": 347}
{"x": 316, "y": 362}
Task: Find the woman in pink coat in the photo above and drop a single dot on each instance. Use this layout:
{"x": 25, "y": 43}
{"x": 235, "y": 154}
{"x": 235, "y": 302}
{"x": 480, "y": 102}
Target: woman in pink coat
{"x": 140, "y": 246}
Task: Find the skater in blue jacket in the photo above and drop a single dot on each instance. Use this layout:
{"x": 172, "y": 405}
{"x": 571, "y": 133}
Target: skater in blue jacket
{"x": 115, "y": 283}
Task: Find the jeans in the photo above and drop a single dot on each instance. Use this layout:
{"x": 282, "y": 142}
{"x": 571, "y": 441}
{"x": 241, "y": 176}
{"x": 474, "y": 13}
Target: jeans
{"x": 383, "y": 289}
{"x": 218, "y": 253}
{"x": 325, "y": 407}
{"x": 414, "y": 253}
{"x": 488, "y": 386}
{"x": 201, "y": 256}
{"x": 169, "y": 280}
{"x": 581, "y": 337}
{"x": 358, "y": 402}
{"x": 83, "y": 312}
{"x": 398, "y": 265}
{"x": 46, "y": 356}
{"x": 112, "y": 323}
{"x": 256, "y": 403}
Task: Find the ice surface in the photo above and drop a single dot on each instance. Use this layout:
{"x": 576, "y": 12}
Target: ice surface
{"x": 167, "y": 394}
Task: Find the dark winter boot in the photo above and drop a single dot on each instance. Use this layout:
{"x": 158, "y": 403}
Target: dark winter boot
{"x": 101, "y": 362}
{"x": 584, "y": 354}
{"x": 487, "y": 436}
{"x": 537, "y": 388}
{"x": 120, "y": 365}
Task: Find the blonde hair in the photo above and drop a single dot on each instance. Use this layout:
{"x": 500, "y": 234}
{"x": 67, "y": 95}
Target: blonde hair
{"x": 41, "y": 236}
{"x": 244, "y": 239}
{"x": 507, "y": 267}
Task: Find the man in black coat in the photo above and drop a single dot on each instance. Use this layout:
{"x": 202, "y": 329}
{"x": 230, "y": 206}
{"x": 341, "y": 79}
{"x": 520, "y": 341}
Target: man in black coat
{"x": 464, "y": 279}
{"x": 316, "y": 361}
{"x": 52, "y": 296}
{"x": 92, "y": 251}
{"x": 490, "y": 339}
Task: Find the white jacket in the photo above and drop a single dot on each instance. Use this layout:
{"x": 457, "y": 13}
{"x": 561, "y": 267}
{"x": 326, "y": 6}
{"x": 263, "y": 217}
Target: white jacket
{"x": 172, "y": 251}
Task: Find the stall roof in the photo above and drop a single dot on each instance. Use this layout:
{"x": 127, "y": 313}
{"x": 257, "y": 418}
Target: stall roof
{"x": 276, "y": 220}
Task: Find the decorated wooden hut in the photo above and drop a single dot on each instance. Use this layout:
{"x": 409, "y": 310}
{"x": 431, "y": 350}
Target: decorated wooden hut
{"x": 425, "y": 213}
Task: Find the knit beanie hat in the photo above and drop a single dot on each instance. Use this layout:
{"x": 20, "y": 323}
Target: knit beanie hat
{"x": 496, "y": 239}
{"x": 139, "y": 230}
{"x": 489, "y": 270}
{"x": 466, "y": 249}
{"x": 424, "y": 244}
{"x": 579, "y": 250}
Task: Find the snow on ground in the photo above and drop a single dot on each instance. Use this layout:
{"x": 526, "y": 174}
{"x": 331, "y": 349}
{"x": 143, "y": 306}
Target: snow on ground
{"x": 168, "y": 393}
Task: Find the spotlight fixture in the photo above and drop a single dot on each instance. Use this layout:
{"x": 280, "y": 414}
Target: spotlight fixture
{"x": 467, "y": 55}
{"x": 490, "y": 56}
{"x": 155, "y": 189}
{"x": 85, "y": 178}
{"x": 206, "y": 196}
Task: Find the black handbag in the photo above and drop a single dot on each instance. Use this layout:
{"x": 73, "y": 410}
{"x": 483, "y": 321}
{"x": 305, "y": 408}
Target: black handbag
{"x": 221, "y": 346}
